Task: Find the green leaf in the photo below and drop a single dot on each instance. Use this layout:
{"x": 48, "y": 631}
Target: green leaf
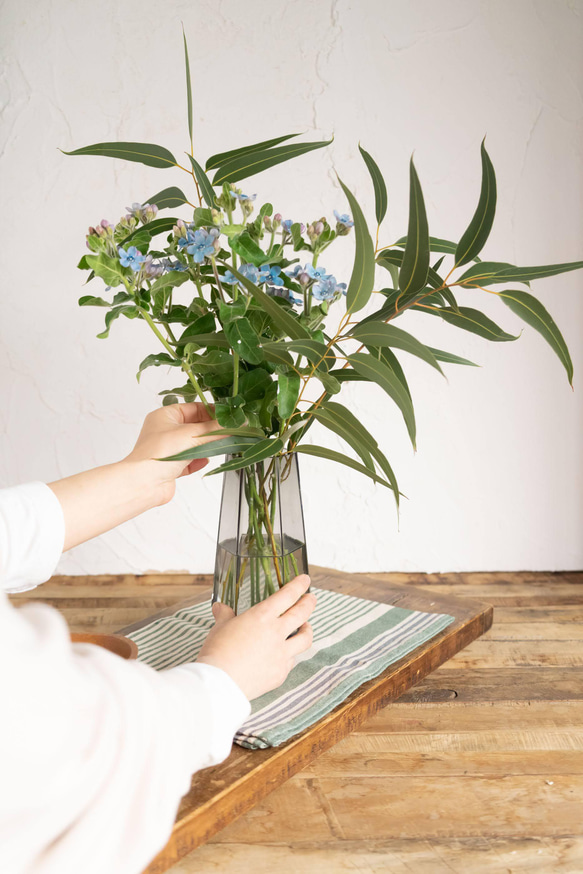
{"x": 340, "y": 458}
{"x": 288, "y": 390}
{"x": 415, "y": 268}
{"x": 316, "y": 353}
{"x": 169, "y": 280}
{"x": 245, "y": 246}
{"x": 395, "y": 257}
{"x": 527, "y": 274}
{"x": 114, "y": 314}
{"x": 379, "y": 372}
{"x": 380, "y": 189}
{"x": 448, "y": 358}
{"x": 230, "y": 415}
{"x": 158, "y": 226}
{"x": 380, "y": 334}
{"x": 253, "y": 384}
{"x": 83, "y": 265}
{"x": 244, "y": 340}
{"x": 388, "y": 357}
{"x": 188, "y": 89}
{"x": 89, "y": 301}
{"x": 259, "y": 452}
{"x": 108, "y": 269}
{"x": 215, "y": 366}
{"x": 222, "y": 157}
{"x": 143, "y": 153}
{"x": 255, "y": 162}
{"x": 204, "y": 182}
{"x": 237, "y": 432}
{"x": 277, "y": 353}
{"x": 478, "y": 230}
{"x": 202, "y": 325}
{"x": 471, "y": 320}
{"x": 436, "y": 244}
{"x": 482, "y": 273}
{"x": 227, "y": 446}
{"x": 330, "y": 384}
{"x": 168, "y": 197}
{"x": 362, "y": 279}
{"x": 341, "y": 421}
{"x": 156, "y": 360}
{"x": 280, "y": 315}
{"x": 534, "y": 314}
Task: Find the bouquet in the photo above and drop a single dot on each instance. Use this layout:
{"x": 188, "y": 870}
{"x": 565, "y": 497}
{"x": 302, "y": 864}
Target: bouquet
{"x": 238, "y": 298}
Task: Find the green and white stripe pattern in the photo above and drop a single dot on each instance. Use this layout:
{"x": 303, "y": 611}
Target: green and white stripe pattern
{"x": 354, "y": 640}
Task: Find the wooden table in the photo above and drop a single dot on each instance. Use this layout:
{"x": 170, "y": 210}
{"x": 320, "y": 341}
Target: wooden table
{"x": 479, "y": 768}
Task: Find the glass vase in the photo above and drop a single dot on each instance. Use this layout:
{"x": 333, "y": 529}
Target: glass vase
{"x": 261, "y": 543}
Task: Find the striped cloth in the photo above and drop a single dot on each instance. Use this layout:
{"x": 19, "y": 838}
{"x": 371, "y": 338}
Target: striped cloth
{"x": 354, "y": 640}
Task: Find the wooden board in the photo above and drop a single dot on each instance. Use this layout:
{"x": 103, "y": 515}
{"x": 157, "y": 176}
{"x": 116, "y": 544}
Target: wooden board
{"x": 220, "y": 795}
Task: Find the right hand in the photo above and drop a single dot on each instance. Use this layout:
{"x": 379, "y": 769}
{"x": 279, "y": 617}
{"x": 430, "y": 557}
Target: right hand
{"x": 253, "y": 648}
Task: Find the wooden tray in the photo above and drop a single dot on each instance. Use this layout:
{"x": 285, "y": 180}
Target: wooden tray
{"x": 221, "y": 794}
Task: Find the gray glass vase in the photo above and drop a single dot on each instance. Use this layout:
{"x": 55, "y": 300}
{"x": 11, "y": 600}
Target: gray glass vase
{"x": 261, "y": 543}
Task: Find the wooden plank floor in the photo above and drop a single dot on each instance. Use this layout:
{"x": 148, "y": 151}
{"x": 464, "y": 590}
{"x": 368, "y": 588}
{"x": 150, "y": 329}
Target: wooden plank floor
{"x": 479, "y": 768}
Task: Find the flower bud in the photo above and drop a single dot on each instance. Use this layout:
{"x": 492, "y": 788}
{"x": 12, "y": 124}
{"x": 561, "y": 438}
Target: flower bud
{"x": 276, "y": 221}
{"x": 318, "y": 228}
{"x": 304, "y": 278}
{"x": 267, "y": 222}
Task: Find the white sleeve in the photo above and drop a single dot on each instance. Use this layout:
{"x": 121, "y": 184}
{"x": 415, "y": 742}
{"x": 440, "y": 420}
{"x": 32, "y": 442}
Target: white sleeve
{"x": 95, "y": 751}
{"x": 32, "y": 534}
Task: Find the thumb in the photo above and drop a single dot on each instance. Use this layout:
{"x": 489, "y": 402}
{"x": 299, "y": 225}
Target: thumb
{"x": 222, "y": 612}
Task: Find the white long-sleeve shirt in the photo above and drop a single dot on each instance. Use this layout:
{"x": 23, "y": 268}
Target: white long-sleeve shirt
{"x": 95, "y": 751}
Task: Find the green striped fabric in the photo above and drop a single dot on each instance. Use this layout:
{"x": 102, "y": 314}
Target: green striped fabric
{"x": 354, "y": 641}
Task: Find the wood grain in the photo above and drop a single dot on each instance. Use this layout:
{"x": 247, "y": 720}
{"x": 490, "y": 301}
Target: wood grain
{"x": 477, "y": 769}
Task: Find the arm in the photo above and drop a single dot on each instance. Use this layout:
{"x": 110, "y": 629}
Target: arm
{"x": 100, "y": 499}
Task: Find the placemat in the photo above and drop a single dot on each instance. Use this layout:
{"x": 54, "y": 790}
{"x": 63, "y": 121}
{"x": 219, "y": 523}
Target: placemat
{"x": 354, "y": 640}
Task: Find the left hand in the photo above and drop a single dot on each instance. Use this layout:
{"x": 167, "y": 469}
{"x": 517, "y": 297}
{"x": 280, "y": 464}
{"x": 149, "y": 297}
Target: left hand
{"x": 168, "y": 431}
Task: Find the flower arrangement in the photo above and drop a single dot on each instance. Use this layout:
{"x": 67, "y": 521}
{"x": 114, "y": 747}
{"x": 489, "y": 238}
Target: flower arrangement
{"x": 239, "y": 306}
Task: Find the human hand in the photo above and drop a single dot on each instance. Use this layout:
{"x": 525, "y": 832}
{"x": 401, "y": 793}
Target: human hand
{"x": 168, "y": 431}
{"x": 253, "y": 648}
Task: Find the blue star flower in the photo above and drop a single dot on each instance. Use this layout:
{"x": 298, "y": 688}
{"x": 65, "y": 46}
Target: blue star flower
{"x": 242, "y": 197}
{"x": 327, "y": 287}
{"x": 315, "y": 272}
{"x": 132, "y": 258}
{"x": 249, "y": 271}
{"x": 174, "y": 265}
{"x": 202, "y": 244}
{"x": 286, "y": 225}
{"x": 343, "y": 219}
{"x": 270, "y": 274}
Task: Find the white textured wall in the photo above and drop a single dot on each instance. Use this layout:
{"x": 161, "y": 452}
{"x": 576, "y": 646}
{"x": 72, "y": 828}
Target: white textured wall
{"x": 497, "y": 480}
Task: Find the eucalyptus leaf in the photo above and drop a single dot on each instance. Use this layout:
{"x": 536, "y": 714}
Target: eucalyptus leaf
{"x": 188, "y": 89}
{"x": 226, "y": 446}
{"x": 340, "y": 458}
{"x": 362, "y": 279}
{"x": 222, "y": 157}
{"x": 316, "y": 352}
{"x": 143, "y": 153}
{"x": 341, "y": 421}
{"x": 415, "y": 267}
{"x": 204, "y": 182}
{"x": 167, "y": 198}
{"x": 472, "y": 320}
{"x": 377, "y": 371}
{"x": 534, "y": 314}
{"x": 380, "y": 334}
{"x": 253, "y": 455}
{"x": 478, "y": 231}
{"x": 380, "y": 189}
{"x": 449, "y": 358}
{"x": 252, "y": 163}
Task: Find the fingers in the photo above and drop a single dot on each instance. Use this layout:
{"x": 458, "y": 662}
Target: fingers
{"x": 301, "y": 641}
{"x": 194, "y": 412}
{"x": 299, "y": 613}
{"x": 287, "y": 596}
{"x": 195, "y": 465}
{"x": 222, "y": 612}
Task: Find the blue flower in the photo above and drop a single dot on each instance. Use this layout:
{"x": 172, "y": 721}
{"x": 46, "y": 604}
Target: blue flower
{"x": 286, "y": 225}
{"x": 249, "y": 271}
{"x": 243, "y": 197}
{"x": 132, "y": 258}
{"x": 295, "y": 271}
{"x": 327, "y": 287}
{"x": 315, "y": 272}
{"x": 293, "y": 298}
{"x": 174, "y": 265}
{"x": 343, "y": 219}
{"x": 270, "y": 274}
{"x": 201, "y": 244}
